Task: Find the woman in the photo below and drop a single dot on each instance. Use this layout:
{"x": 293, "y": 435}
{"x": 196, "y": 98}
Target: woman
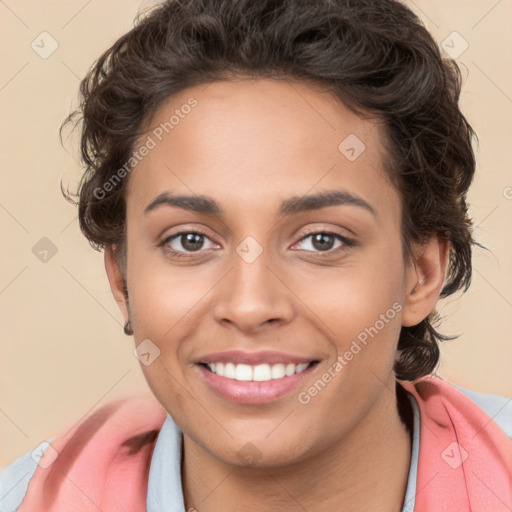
{"x": 280, "y": 191}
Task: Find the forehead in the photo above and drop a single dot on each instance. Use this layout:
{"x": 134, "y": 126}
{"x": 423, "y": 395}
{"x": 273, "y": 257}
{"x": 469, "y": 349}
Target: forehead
{"x": 248, "y": 142}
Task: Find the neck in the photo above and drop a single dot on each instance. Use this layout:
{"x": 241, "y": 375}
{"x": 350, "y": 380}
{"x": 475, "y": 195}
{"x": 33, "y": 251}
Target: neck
{"x": 346, "y": 477}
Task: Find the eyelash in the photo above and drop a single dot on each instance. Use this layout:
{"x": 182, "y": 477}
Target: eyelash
{"x": 347, "y": 243}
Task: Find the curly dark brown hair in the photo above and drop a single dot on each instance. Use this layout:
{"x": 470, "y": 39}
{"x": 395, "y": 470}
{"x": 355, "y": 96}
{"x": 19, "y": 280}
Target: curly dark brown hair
{"x": 374, "y": 55}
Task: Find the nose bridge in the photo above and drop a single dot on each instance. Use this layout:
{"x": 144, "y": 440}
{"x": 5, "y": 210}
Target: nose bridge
{"x": 251, "y": 294}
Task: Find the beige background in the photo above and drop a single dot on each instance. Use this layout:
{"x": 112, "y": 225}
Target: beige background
{"x": 63, "y": 350}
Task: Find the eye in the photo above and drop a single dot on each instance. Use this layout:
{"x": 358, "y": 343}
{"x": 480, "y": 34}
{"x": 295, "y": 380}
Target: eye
{"x": 185, "y": 242}
{"x": 323, "y": 241}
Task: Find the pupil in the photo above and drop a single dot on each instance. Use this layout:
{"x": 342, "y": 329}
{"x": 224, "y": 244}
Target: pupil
{"x": 193, "y": 241}
{"x": 322, "y": 241}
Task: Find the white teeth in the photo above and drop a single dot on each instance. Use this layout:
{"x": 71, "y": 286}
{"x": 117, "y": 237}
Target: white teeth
{"x": 278, "y": 371}
{"x": 257, "y": 373}
{"x": 243, "y": 372}
{"x": 261, "y": 372}
{"x": 229, "y": 370}
{"x": 289, "y": 370}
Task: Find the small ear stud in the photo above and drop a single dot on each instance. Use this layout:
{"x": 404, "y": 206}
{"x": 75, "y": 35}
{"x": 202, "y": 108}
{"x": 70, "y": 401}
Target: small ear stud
{"x": 128, "y": 328}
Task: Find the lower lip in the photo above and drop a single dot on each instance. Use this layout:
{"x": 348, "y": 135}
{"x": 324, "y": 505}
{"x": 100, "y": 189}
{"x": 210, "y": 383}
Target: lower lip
{"x": 253, "y": 393}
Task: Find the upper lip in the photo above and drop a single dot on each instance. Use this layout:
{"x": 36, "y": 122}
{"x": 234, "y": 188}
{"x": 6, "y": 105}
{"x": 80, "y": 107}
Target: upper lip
{"x": 253, "y": 358}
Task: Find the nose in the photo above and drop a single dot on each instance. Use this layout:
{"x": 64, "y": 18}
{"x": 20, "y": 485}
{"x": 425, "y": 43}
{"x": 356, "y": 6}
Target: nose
{"x": 253, "y": 295}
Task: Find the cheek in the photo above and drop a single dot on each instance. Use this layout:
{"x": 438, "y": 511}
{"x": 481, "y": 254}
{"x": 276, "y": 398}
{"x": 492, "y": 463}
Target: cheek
{"x": 351, "y": 298}
{"x": 164, "y": 298}
{"x": 168, "y": 305}
{"x": 170, "y": 389}
{"x": 358, "y": 308}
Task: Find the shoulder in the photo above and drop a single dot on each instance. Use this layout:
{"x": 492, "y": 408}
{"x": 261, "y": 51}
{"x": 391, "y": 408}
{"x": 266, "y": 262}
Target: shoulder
{"x": 497, "y": 407}
{"x": 126, "y": 425}
{"x": 14, "y": 479}
{"x": 436, "y": 393}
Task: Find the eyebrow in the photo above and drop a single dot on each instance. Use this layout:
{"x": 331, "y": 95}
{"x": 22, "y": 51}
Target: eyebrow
{"x": 296, "y": 204}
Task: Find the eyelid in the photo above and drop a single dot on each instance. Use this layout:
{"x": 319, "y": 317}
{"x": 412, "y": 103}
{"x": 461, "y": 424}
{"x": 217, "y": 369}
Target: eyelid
{"x": 182, "y": 232}
{"x": 346, "y": 241}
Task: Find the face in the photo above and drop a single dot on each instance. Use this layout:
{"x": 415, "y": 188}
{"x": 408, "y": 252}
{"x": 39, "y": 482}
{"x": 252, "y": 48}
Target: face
{"x": 273, "y": 329}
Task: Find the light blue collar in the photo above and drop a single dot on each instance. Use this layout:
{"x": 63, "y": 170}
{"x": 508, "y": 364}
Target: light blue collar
{"x": 164, "y": 486}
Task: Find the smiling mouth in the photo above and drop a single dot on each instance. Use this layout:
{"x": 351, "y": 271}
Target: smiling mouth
{"x": 256, "y": 373}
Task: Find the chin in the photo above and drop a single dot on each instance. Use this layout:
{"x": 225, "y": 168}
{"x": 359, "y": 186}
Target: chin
{"x": 259, "y": 453}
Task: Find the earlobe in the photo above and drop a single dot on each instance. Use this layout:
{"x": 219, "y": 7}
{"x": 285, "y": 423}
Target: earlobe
{"x": 425, "y": 279}
{"x": 116, "y": 280}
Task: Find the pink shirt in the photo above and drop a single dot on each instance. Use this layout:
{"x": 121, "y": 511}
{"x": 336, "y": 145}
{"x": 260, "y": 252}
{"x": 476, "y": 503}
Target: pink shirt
{"x": 465, "y": 458}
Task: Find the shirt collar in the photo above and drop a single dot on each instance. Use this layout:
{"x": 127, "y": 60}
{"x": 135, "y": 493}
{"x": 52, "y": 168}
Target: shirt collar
{"x": 164, "y": 484}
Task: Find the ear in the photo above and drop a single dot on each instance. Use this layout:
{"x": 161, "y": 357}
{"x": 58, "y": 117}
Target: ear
{"x": 117, "y": 282}
{"x": 425, "y": 277}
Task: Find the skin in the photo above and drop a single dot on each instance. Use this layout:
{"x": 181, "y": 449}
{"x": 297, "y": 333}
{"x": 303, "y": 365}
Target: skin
{"x": 250, "y": 144}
